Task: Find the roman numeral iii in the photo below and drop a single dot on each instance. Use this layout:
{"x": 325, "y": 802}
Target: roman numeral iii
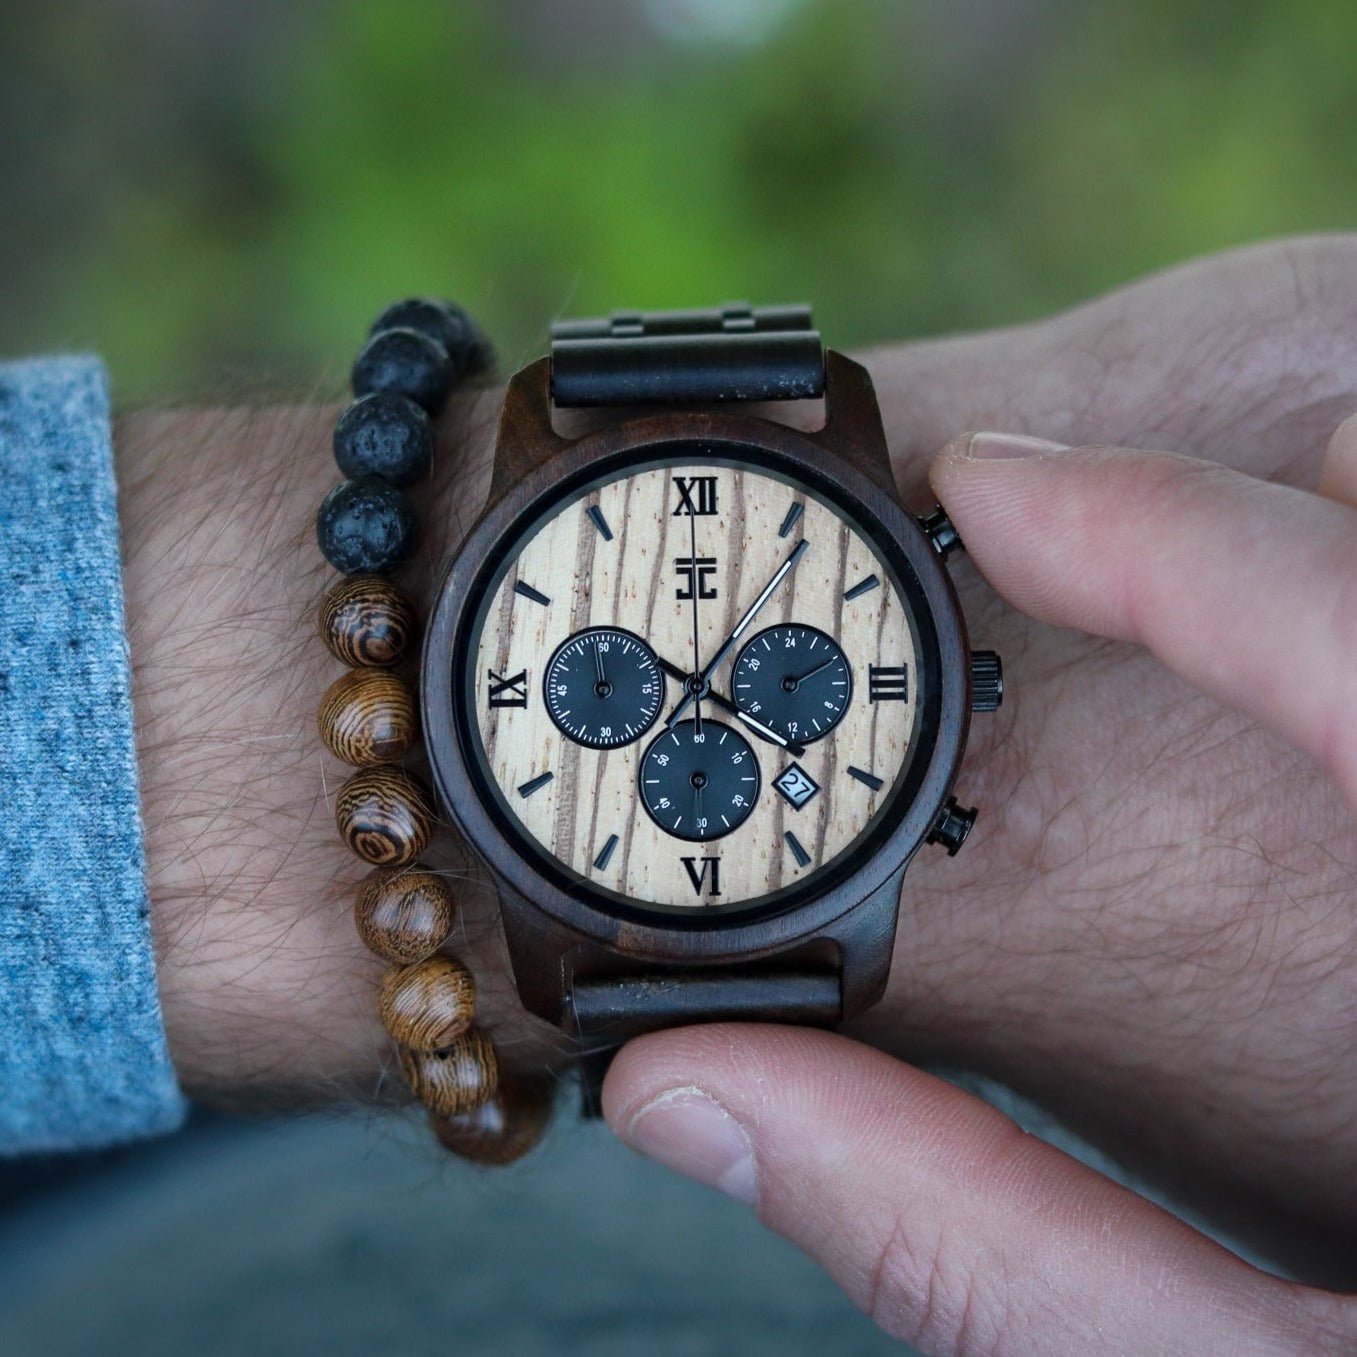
{"x": 703, "y": 872}
{"x": 508, "y": 691}
{"x": 887, "y": 683}
{"x": 697, "y": 496}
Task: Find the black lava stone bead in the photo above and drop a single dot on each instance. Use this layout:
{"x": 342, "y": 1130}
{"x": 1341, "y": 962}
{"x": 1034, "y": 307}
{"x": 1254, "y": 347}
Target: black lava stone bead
{"x": 384, "y": 435}
{"x": 366, "y": 525}
{"x": 408, "y": 363}
{"x": 446, "y": 322}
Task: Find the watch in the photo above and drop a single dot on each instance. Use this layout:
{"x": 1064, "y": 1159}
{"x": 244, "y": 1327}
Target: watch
{"x": 696, "y": 685}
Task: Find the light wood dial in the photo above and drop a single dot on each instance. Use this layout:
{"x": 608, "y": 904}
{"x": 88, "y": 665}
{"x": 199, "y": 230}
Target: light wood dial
{"x": 629, "y": 555}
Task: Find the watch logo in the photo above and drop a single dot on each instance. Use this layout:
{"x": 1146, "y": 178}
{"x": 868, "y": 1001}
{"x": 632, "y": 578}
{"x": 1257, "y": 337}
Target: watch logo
{"x": 697, "y": 496}
{"x": 707, "y": 874}
{"x": 695, "y": 572}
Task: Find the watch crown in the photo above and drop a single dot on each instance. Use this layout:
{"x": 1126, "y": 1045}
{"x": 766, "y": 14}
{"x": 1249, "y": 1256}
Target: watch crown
{"x": 939, "y": 530}
{"x": 987, "y": 680}
{"x": 952, "y": 825}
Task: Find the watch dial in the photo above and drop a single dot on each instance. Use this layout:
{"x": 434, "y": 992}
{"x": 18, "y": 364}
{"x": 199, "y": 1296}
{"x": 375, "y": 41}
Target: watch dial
{"x": 694, "y": 684}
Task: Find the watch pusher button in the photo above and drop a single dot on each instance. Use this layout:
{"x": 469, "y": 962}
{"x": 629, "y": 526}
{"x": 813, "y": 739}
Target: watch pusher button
{"x": 952, "y": 825}
{"x": 941, "y": 532}
{"x": 987, "y": 680}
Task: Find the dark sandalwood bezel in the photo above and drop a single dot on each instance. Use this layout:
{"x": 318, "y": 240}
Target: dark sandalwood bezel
{"x": 551, "y": 472}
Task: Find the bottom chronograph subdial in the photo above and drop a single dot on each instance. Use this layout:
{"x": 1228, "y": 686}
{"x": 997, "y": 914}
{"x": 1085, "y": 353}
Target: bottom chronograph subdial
{"x": 699, "y": 782}
{"x": 603, "y": 687}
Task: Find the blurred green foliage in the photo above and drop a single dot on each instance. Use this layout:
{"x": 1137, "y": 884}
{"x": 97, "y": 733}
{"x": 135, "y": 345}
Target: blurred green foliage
{"x": 909, "y": 168}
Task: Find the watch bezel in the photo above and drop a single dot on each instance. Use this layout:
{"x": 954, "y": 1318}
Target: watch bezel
{"x": 797, "y": 911}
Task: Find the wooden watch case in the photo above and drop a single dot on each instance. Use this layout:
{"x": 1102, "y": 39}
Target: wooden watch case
{"x": 553, "y": 929}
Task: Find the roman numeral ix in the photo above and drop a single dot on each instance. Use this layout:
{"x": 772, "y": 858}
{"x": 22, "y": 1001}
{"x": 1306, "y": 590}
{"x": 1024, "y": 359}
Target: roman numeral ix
{"x": 508, "y": 690}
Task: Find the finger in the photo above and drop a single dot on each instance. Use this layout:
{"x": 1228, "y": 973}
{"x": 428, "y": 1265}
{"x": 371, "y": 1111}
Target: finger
{"x": 938, "y": 1216}
{"x": 1338, "y": 478}
{"x": 1246, "y": 588}
{"x": 1265, "y": 403}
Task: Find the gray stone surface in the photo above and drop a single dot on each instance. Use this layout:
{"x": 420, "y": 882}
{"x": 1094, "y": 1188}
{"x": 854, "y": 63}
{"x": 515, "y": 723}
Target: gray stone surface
{"x": 354, "y": 1236}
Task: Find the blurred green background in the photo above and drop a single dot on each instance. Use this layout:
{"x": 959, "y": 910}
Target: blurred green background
{"x": 217, "y": 193}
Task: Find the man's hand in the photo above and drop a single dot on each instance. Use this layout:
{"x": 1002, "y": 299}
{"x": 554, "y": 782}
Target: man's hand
{"x": 1113, "y": 939}
{"x": 950, "y": 1226}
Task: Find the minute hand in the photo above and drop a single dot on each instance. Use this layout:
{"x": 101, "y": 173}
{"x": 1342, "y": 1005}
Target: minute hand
{"x": 749, "y": 614}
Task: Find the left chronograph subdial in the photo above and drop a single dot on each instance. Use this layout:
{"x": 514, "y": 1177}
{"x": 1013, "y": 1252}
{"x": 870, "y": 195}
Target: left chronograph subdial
{"x": 603, "y": 687}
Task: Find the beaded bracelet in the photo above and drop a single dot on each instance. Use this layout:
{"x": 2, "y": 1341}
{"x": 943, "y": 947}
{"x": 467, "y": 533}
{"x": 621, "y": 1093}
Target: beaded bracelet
{"x": 416, "y": 352}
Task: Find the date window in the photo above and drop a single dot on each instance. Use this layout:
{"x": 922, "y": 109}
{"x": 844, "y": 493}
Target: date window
{"x": 796, "y": 785}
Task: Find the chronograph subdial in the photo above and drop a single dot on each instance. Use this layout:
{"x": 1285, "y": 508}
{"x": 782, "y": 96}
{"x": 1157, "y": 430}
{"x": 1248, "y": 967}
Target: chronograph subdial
{"x": 603, "y": 687}
{"x": 699, "y": 784}
{"x": 795, "y": 679}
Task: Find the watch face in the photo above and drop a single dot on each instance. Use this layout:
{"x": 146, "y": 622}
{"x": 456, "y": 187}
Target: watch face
{"x": 696, "y": 685}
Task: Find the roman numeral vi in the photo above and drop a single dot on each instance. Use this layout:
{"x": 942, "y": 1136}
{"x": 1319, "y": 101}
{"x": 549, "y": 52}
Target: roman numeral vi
{"x": 707, "y": 874}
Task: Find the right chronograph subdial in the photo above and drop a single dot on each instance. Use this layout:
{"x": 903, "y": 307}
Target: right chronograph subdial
{"x": 795, "y": 679}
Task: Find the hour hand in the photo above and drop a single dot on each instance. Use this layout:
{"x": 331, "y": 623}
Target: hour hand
{"x": 795, "y": 750}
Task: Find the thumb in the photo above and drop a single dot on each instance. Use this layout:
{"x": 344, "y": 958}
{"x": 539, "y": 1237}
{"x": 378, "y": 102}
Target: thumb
{"x": 942, "y": 1219}
{"x": 1242, "y": 586}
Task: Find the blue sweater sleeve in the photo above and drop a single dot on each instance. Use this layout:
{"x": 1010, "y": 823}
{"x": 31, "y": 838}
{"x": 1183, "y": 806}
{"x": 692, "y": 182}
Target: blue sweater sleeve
{"x": 83, "y": 1060}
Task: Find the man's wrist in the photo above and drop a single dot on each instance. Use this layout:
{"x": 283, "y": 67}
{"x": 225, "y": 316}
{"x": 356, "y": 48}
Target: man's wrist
{"x": 266, "y": 991}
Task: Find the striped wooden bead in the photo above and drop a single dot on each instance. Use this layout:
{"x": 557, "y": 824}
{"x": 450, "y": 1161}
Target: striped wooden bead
{"x": 367, "y": 716}
{"x": 503, "y": 1128}
{"x": 384, "y": 815}
{"x": 404, "y": 915}
{"x": 458, "y": 1079}
{"x": 427, "y": 1006}
{"x": 366, "y": 621}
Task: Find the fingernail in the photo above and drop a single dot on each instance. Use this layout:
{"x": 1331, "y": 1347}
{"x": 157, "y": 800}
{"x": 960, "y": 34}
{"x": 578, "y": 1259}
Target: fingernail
{"x": 691, "y": 1133}
{"x": 1006, "y": 446}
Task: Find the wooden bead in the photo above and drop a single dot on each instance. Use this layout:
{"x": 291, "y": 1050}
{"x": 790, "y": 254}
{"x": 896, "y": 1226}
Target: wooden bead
{"x": 459, "y": 1079}
{"x": 403, "y": 915}
{"x": 427, "y": 1006}
{"x": 367, "y": 622}
{"x": 367, "y": 717}
{"x": 503, "y": 1128}
{"x": 384, "y": 816}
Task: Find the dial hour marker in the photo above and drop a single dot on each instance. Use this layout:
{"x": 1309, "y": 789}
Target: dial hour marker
{"x": 527, "y": 591}
{"x": 793, "y": 514}
{"x": 605, "y": 853}
{"x": 534, "y": 784}
{"x": 601, "y": 523}
{"x": 799, "y": 853}
{"x": 867, "y": 779}
{"x": 861, "y": 587}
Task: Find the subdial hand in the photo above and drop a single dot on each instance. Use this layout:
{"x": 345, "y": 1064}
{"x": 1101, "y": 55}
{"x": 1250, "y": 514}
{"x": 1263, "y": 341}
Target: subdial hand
{"x": 603, "y": 688}
{"x": 793, "y": 681}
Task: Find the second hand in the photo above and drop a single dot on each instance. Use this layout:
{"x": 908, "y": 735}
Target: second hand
{"x": 697, "y": 651}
